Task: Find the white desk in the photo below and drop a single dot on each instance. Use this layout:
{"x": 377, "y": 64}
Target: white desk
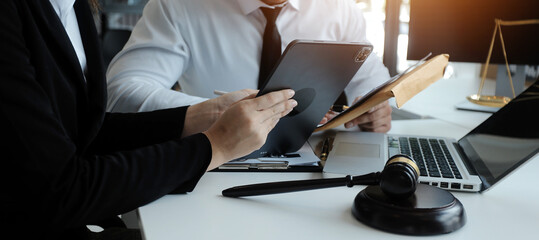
{"x": 509, "y": 210}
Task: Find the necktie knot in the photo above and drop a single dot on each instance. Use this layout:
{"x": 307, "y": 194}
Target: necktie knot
{"x": 271, "y": 13}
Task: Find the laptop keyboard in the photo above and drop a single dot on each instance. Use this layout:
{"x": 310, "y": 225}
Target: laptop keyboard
{"x": 431, "y": 155}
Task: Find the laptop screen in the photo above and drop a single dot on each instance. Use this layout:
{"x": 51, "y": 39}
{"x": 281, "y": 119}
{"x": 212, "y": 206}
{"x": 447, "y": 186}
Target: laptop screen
{"x": 506, "y": 139}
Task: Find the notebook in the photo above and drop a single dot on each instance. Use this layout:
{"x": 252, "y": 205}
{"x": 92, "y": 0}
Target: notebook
{"x": 477, "y": 161}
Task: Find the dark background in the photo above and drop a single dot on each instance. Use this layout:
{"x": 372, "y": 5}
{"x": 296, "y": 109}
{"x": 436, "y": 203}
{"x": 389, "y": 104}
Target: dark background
{"x": 464, "y": 28}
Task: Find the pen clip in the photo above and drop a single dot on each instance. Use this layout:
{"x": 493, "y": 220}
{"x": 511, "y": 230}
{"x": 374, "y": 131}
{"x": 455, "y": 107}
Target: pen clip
{"x": 325, "y": 149}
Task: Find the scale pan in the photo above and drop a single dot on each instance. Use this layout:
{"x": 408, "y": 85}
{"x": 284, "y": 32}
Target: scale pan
{"x": 489, "y": 101}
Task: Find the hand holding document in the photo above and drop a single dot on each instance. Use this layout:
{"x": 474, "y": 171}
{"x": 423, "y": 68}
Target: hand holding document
{"x": 402, "y": 86}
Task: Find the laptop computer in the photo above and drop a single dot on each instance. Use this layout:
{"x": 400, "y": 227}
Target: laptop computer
{"x": 477, "y": 161}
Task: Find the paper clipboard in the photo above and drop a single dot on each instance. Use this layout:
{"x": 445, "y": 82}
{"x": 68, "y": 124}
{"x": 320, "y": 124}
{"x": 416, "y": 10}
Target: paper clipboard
{"x": 304, "y": 160}
{"x": 402, "y": 87}
{"x": 269, "y": 166}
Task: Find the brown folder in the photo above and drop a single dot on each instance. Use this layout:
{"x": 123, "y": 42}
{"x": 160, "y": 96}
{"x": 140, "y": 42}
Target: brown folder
{"x": 403, "y": 88}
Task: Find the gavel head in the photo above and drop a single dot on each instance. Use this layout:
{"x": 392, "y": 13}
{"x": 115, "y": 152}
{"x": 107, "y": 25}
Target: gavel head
{"x": 399, "y": 178}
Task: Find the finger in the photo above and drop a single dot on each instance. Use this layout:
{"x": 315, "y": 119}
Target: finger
{"x": 376, "y": 108}
{"x": 251, "y": 96}
{"x": 272, "y": 116}
{"x": 379, "y": 122}
{"x": 381, "y": 111}
{"x": 272, "y": 122}
{"x": 278, "y": 110}
{"x": 365, "y": 120}
{"x": 324, "y": 120}
{"x": 270, "y": 99}
{"x": 290, "y": 106}
{"x": 247, "y": 94}
{"x": 383, "y": 105}
{"x": 331, "y": 114}
{"x": 231, "y": 98}
{"x": 362, "y": 119}
{"x": 250, "y": 93}
{"x": 382, "y": 128}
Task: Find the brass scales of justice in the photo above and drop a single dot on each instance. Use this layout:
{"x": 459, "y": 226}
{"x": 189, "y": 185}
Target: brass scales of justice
{"x": 491, "y": 100}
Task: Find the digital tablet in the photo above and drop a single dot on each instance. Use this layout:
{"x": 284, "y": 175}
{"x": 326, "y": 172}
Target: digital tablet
{"x": 318, "y": 71}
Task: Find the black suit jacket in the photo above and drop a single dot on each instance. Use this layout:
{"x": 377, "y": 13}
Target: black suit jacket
{"x": 65, "y": 162}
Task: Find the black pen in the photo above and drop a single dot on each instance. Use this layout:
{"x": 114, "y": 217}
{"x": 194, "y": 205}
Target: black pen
{"x": 325, "y": 150}
{"x": 338, "y": 108}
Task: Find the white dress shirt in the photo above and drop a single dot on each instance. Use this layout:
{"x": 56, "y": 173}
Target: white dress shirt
{"x": 66, "y": 12}
{"x": 208, "y": 45}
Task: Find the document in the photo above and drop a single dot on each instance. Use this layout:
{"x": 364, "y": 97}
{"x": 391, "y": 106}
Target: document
{"x": 403, "y": 87}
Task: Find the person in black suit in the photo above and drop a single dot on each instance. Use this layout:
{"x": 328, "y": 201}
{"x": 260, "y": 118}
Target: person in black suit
{"x": 65, "y": 162}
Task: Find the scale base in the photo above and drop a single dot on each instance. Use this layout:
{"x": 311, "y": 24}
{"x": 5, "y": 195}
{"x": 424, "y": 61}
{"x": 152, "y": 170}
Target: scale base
{"x": 430, "y": 211}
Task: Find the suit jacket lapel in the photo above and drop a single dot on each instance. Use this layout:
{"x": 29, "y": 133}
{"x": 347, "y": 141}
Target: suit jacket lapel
{"x": 95, "y": 76}
{"x": 44, "y": 11}
{"x": 91, "y": 107}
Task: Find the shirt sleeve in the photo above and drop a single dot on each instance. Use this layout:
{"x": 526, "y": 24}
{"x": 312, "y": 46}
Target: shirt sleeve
{"x": 373, "y": 72}
{"x": 141, "y": 76}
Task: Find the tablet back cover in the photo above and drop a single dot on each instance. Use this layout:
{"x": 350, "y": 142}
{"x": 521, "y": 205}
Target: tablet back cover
{"x": 318, "y": 71}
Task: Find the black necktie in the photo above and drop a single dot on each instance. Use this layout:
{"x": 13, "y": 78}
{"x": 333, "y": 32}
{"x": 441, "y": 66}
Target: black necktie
{"x": 271, "y": 47}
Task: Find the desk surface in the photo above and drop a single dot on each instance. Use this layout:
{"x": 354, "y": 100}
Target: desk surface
{"x": 506, "y": 211}
{"x": 509, "y": 210}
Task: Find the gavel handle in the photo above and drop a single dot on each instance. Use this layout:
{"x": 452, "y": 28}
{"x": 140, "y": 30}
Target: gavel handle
{"x": 300, "y": 185}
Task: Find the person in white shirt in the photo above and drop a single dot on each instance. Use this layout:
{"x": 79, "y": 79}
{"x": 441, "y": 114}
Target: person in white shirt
{"x": 216, "y": 44}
